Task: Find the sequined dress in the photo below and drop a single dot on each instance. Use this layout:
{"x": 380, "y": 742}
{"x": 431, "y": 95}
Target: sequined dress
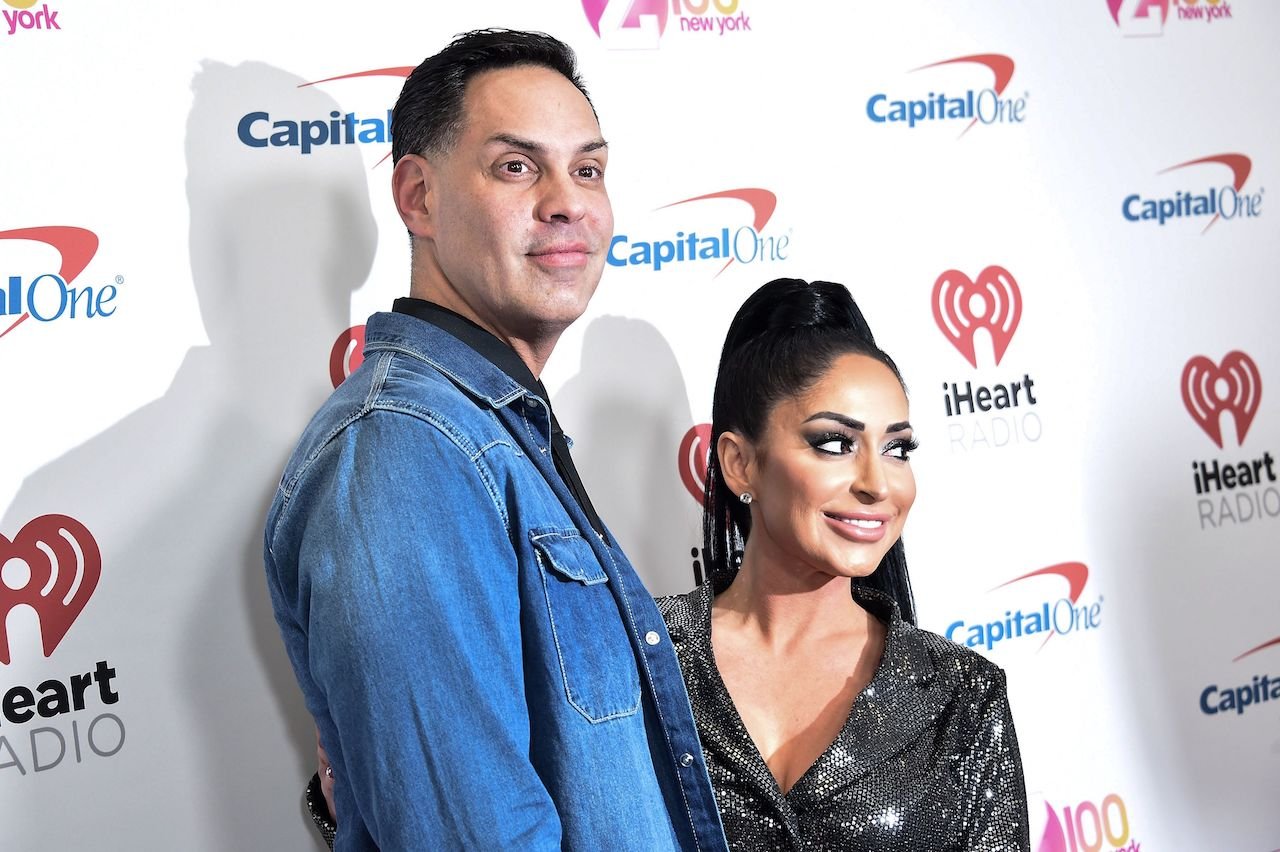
{"x": 926, "y": 761}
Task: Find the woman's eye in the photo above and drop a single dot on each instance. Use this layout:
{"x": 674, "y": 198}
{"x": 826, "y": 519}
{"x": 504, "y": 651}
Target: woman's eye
{"x": 833, "y": 446}
{"x": 901, "y": 449}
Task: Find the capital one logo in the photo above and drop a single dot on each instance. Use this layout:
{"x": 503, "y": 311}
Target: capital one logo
{"x": 692, "y": 460}
{"x": 1228, "y": 201}
{"x": 1237, "y": 699}
{"x": 49, "y": 296}
{"x": 259, "y": 129}
{"x": 1209, "y": 389}
{"x": 700, "y": 239}
{"x": 52, "y": 565}
{"x": 1050, "y": 617}
{"x": 347, "y": 354}
{"x": 962, "y": 306}
{"x": 640, "y": 24}
{"x": 22, "y": 18}
{"x": 988, "y": 106}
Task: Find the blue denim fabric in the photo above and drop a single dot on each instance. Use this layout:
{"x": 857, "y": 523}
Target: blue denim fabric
{"x": 478, "y": 660}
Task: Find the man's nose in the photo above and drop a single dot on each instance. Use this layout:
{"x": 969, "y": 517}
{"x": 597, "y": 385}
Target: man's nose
{"x": 561, "y": 199}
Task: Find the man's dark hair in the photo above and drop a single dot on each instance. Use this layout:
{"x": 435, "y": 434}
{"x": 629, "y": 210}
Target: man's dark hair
{"x": 428, "y": 116}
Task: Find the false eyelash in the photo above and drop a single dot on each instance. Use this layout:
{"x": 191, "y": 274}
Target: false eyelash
{"x": 907, "y": 445}
{"x": 816, "y": 441}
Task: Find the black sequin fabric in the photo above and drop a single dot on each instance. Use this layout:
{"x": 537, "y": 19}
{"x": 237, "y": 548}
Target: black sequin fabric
{"x": 926, "y": 761}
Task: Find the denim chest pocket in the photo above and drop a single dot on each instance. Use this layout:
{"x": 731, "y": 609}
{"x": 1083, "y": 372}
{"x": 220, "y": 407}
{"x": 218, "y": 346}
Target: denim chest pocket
{"x": 601, "y": 680}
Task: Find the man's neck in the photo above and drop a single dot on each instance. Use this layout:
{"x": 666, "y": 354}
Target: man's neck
{"x": 533, "y": 349}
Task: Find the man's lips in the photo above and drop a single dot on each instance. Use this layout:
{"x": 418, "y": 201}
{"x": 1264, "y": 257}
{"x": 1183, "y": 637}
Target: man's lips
{"x": 561, "y": 254}
{"x": 860, "y": 526}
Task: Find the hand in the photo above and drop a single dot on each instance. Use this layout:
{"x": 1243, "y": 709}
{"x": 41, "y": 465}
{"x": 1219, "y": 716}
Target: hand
{"x": 326, "y": 778}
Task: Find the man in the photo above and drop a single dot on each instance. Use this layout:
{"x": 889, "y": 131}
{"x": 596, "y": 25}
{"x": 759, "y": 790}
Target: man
{"x": 485, "y": 668}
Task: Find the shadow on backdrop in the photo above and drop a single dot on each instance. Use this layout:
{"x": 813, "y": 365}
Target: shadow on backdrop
{"x": 219, "y": 742}
{"x": 627, "y": 410}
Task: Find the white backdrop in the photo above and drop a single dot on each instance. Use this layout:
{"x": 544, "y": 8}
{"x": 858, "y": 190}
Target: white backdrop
{"x": 189, "y": 270}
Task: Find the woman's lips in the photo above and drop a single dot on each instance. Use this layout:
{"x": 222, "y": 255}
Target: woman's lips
{"x": 863, "y": 528}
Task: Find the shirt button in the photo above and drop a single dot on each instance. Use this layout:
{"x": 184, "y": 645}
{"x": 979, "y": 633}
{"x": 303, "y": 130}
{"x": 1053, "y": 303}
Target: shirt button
{"x": 652, "y": 637}
{"x": 686, "y": 759}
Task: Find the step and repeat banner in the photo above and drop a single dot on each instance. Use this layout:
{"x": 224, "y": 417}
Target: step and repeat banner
{"x": 1056, "y": 217}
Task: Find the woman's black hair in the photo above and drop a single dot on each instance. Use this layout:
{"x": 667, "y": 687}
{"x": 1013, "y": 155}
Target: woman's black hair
{"x": 782, "y": 340}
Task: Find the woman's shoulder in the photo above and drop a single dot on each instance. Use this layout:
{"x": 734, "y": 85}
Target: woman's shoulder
{"x": 962, "y": 666}
{"x": 687, "y": 611}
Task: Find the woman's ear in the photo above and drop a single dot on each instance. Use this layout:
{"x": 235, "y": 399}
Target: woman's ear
{"x": 737, "y": 461}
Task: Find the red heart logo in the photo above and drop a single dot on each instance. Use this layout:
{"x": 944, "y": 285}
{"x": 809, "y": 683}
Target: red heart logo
{"x": 53, "y": 566}
{"x": 1209, "y": 389}
{"x": 962, "y": 306}
{"x": 695, "y": 451}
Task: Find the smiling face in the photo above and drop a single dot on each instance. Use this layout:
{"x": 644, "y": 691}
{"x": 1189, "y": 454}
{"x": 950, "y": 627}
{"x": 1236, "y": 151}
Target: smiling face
{"x": 517, "y": 222}
{"x": 830, "y": 475}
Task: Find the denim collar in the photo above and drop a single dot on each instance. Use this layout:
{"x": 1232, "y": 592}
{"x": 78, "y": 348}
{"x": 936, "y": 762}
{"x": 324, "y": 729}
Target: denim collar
{"x": 417, "y": 338}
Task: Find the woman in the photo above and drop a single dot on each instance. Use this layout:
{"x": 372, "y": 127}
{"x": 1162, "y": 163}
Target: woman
{"x": 827, "y": 719}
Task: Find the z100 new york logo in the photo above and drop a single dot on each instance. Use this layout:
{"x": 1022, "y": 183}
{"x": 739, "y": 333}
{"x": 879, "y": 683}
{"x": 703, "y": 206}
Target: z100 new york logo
{"x": 1149, "y": 17}
{"x": 641, "y": 24}
{"x": 1226, "y": 202}
{"x": 967, "y": 107}
{"x": 24, "y": 17}
{"x": 50, "y": 292}
{"x": 998, "y": 413}
{"x": 1088, "y": 826}
{"x": 50, "y": 570}
{"x": 1231, "y": 490}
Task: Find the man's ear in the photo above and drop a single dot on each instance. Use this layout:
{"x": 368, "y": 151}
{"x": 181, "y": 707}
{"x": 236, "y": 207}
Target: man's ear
{"x": 737, "y": 458}
{"x": 412, "y": 188}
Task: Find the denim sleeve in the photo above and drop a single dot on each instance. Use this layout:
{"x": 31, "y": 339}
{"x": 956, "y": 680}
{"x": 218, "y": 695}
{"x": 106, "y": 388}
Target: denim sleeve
{"x": 409, "y": 598}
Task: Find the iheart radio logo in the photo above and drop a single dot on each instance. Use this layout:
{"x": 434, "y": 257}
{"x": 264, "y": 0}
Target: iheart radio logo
{"x": 692, "y": 459}
{"x": 76, "y": 246}
{"x": 347, "y": 354}
{"x": 53, "y": 566}
{"x": 961, "y": 306}
{"x": 1209, "y": 389}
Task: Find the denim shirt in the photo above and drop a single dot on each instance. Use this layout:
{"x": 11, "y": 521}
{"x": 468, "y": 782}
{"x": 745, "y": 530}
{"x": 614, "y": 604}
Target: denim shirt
{"x": 485, "y": 670}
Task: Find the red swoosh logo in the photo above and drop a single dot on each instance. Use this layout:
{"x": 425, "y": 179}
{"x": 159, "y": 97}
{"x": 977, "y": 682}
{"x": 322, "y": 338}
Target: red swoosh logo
{"x": 401, "y": 71}
{"x": 1075, "y": 573}
{"x": 1269, "y": 643}
{"x": 762, "y": 202}
{"x": 1001, "y": 67}
{"x": 1239, "y": 164}
{"x": 76, "y": 245}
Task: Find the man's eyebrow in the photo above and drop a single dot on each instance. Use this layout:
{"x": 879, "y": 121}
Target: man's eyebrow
{"x": 538, "y": 148}
{"x": 856, "y": 425}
